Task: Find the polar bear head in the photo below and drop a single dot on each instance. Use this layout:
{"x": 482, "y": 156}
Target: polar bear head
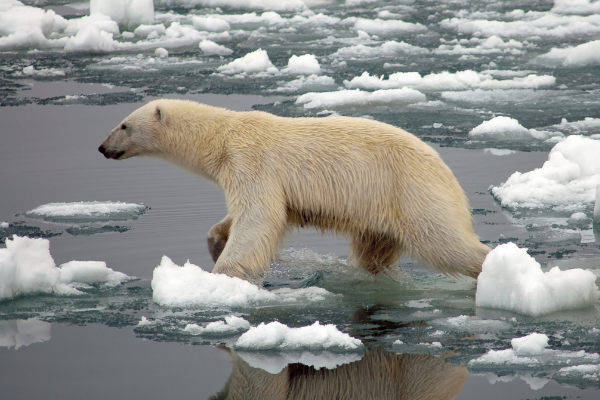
{"x": 138, "y": 134}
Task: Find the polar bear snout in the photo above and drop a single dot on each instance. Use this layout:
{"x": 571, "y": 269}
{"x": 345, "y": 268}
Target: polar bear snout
{"x": 115, "y": 155}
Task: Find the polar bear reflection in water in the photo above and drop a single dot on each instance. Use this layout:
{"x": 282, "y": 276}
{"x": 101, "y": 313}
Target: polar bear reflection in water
{"x": 378, "y": 185}
{"x": 378, "y": 375}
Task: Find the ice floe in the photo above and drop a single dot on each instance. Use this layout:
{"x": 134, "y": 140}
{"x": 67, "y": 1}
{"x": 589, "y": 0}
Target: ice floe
{"x": 461, "y": 80}
{"x": 190, "y": 286}
{"x": 513, "y": 280}
{"x": 565, "y": 183}
{"x": 387, "y": 27}
{"x": 232, "y": 324}
{"x": 26, "y": 268}
{"x": 211, "y": 48}
{"x": 359, "y": 98}
{"x": 128, "y": 13}
{"x": 306, "y": 64}
{"x": 579, "y": 56}
{"x": 389, "y": 49}
{"x": 506, "y": 128}
{"x": 87, "y": 211}
{"x": 278, "y": 336}
{"x": 252, "y": 63}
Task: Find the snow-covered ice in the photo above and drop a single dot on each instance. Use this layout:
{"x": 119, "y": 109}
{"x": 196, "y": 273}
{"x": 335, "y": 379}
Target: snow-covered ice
{"x": 359, "y": 98}
{"x": 578, "y": 56}
{"x": 506, "y": 128}
{"x": 565, "y": 183}
{"x": 513, "y": 280}
{"x": 90, "y": 211}
{"x": 306, "y": 64}
{"x": 278, "y": 336}
{"x": 190, "y": 286}
{"x": 254, "y": 62}
{"x": 232, "y": 324}
{"x": 211, "y": 48}
{"x": 26, "y": 267}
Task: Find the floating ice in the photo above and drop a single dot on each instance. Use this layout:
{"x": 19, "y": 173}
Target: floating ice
{"x": 277, "y": 5}
{"x": 530, "y": 345}
{"x": 211, "y": 48}
{"x": 307, "y": 83}
{"x": 275, "y": 362}
{"x": 461, "y": 80}
{"x": 587, "y": 371}
{"x": 26, "y": 267}
{"x": 161, "y": 52}
{"x": 232, "y": 324}
{"x": 146, "y": 30}
{"x": 210, "y": 24}
{"x": 387, "y": 27}
{"x": 388, "y": 49}
{"x": 190, "y": 286}
{"x": 472, "y": 324}
{"x": 4, "y": 224}
{"x": 87, "y": 211}
{"x": 565, "y": 183}
{"x": 531, "y": 25}
{"x": 21, "y": 332}
{"x": 499, "y": 152}
{"x": 128, "y": 13}
{"x": 145, "y": 322}
{"x": 578, "y": 56}
{"x": 577, "y": 7}
{"x": 277, "y": 336}
{"x": 512, "y": 280}
{"x": 358, "y": 98}
{"x": 506, "y": 128}
{"x": 31, "y": 71}
{"x": 306, "y": 64}
{"x": 254, "y": 62}
{"x": 491, "y": 45}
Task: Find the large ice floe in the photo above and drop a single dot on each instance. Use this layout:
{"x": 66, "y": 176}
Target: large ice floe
{"x": 192, "y": 287}
{"x": 513, "y": 280}
{"x": 578, "y": 56}
{"x": 509, "y": 129}
{"x": 26, "y": 268}
{"x": 87, "y": 211}
{"x": 565, "y": 183}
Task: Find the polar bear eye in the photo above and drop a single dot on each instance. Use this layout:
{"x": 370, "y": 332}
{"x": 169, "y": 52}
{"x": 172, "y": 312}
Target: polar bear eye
{"x": 123, "y": 126}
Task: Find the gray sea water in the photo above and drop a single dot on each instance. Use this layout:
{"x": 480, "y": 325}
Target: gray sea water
{"x": 51, "y": 126}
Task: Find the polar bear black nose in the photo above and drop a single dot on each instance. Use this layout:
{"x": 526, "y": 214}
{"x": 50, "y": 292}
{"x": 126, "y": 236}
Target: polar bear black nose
{"x": 101, "y": 149}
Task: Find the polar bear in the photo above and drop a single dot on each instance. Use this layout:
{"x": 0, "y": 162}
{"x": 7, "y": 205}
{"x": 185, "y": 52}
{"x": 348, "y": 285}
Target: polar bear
{"x": 378, "y": 185}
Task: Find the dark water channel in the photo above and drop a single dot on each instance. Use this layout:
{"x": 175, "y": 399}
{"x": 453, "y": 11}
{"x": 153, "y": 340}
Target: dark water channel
{"x": 48, "y": 154}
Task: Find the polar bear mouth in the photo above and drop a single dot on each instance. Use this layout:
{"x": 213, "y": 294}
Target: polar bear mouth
{"x": 115, "y": 155}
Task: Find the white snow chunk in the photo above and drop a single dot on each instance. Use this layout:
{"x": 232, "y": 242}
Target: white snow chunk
{"x": 190, "y": 286}
{"x": 4, "y": 225}
{"x": 87, "y": 211}
{"x": 92, "y": 38}
{"x": 501, "y": 128}
{"x": 579, "y": 56}
{"x": 499, "y": 152}
{"x": 257, "y": 61}
{"x": 565, "y": 183}
{"x": 358, "y": 98}
{"x": 210, "y": 24}
{"x": 277, "y": 5}
{"x": 18, "y": 333}
{"x": 146, "y": 30}
{"x": 577, "y": 7}
{"x": 513, "y": 280}
{"x": 129, "y": 13}
{"x": 387, "y": 27}
{"x": 145, "y": 322}
{"x": 306, "y": 64}
{"x": 232, "y": 324}
{"x": 387, "y": 49}
{"x": 530, "y": 345}
{"x": 278, "y": 336}
{"x": 211, "y": 48}
{"x": 306, "y": 83}
{"x": 161, "y": 52}
{"x": 26, "y": 267}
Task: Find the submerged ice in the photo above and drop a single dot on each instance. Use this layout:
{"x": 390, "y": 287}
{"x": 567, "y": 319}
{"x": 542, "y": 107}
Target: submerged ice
{"x": 90, "y": 211}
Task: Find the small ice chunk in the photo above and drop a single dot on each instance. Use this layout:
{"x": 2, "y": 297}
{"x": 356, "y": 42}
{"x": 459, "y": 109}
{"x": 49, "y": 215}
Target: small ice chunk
{"x": 530, "y": 345}
{"x": 161, "y": 52}
{"x": 278, "y": 336}
{"x": 211, "y": 48}
{"x": 579, "y": 56}
{"x": 129, "y": 13}
{"x": 387, "y": 27}
{"x": 4, "y": 225}
{"x": 190, "y": 286}
{"x": 87, "y": 211}
{"x": 145, "y": 322}
{"x": 210, "y": 24}
{"x": 232, "y": 324}
{"x": 499, "y": 152}
{"x": 359, "y": 98}
{"x": 565, "y": 183}
{"x": 146, "y": 30}
{"x": 257, "y": 61}
{"x": 26, "y": 267}
{"x": 512, "y": 280}
{"x": 306, "y": 64}
{"x": 501, "y": 128}
{"x": 597, "y": 206}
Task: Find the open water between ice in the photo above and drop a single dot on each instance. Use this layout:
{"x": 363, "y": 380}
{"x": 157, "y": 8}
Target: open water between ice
{"x": 496, "y": 88}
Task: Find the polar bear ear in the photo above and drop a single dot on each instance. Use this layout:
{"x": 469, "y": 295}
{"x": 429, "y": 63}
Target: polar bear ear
{"x": 159, "y": 113}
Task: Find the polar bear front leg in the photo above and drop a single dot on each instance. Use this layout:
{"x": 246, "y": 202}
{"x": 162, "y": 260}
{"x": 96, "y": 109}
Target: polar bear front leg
{"x": 217, "y": 237}
{"x": 253, "y": 240}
